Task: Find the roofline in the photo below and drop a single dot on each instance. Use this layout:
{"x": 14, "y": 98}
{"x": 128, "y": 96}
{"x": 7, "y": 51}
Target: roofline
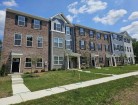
{"x": 26, "y": 14}
{"x": 100, "y": 31}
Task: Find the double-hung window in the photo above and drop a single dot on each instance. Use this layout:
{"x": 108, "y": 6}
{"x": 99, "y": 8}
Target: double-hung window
{"x": 68, "y": 44}
{"x": 58, "y": 42}
{"x": 106, "y": 47}
{"x": 91, "y": 33}
{"x": 105, "y": 37}
{"x": 28, "y": 62}
{"x": 57, "y": 27}
{"x": 82, "y": 31}
{"x": 99, "y": 47}
{"x": 98, "y": 35}
{"x": 67, "y": 30}
{"x": 92, "y": 46}
{"x": 58, "y": 60}
{"x": 29, "y": 40}
{"x": 100, "y": 59}
{"x": 17, "y": 39}
{"x": 39, "y": 62}
{"x": 82, "y": 44}
{"x": 40, "y": 42}
{"x": 36, "y": 24}
{"x": 21, "y": 20}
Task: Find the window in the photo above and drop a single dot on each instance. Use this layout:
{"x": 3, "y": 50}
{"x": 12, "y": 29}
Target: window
{"x": 67, "y": 30}
{"x": 28, "y": 62}
{"x": 124, "y": 48}
{"x": 92, "y": 46}
{"x": 130, "y": 49}
{"x": 106, "y": 47}
{"x": 99, "y": 47}
{"x": 39, "y": 62}
{"x": 83, "y": 60}
{"x": 17, "y": 39}
{"x": 21, "y": 20}
{"x": 82, "y": 44}
{"x": 114, "y": 36}
{"x": 127, "y": 49}
{"x": 40, "y": 42}
{"x": 58, "y": 60}
{"x": 58, "y": 42}
{"x": 82, "y": 31}
{"x": 125, "y": 40}
{"x": 100, "y": 59}
{"x": 120, "y": 38}
{"x": 98, "y": 35}
{"x": 57, "y": 26}
{"x": 29, "y": 39}
{"x": 68, "y": 44}
{"x": 121, "y": 48}
{"x": 105, "y": 37}
{"x": 128, "y": 40}
{"x": 91, "y": 34}
{"x": 36, "y": 24}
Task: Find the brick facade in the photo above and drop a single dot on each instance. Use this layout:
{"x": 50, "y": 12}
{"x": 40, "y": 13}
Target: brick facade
{"x": 8, "y": 43}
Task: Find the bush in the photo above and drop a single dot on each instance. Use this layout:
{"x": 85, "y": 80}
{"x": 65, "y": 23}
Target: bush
{"x": 82, "y": 67}
{"x": 54, "y": 69}
{"x": 27, "y": 73}
{"x": 42, "y": 70}
{"x": 59, "y": 69}
{"x": 3, "y": 70}
{"x": 36, "y": 71}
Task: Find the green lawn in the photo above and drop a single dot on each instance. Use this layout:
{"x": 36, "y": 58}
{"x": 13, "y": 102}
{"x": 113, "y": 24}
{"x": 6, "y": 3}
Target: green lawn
{"x": 57, "y": 78}
{"x": 115, "y": 70}
{"x": 5, "y": 86}
{"x": 102, "y": 94}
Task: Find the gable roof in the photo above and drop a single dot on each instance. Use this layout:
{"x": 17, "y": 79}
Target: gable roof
{"x": 63, "y": 17}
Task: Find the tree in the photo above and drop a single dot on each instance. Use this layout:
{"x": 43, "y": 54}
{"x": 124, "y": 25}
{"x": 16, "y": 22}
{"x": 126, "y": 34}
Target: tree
{"x": 135, "y": 49}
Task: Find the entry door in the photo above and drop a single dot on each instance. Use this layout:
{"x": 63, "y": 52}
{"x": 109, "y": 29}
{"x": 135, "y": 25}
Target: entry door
{"x": 93, "y": 62}
{"x": 15, "y": 64}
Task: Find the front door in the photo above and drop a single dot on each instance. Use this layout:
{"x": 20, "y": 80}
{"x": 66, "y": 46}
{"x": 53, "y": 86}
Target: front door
{"x": 15, "y": 64}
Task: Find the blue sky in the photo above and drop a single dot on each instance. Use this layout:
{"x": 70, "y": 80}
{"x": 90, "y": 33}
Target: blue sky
{"x": 108, "y": 15}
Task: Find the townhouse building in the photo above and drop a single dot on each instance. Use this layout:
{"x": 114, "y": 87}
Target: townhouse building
{"x": 93, "y": 45}
{"x": 25, "y": 40}
{"x": 36, "y": 43}
{"x": 128, "y": 49}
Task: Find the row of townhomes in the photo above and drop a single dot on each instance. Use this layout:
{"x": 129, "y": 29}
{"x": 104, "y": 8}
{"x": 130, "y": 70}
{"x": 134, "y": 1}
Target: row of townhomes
{"x": 56, "y": 43}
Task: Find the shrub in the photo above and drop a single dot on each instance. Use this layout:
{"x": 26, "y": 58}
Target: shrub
{"x": 3, "y": 70}
{"x": 82, "y": 67}
{"x": 36, "y": 71}
{"x": 27, "y": 73}
{"x": 54, "y": 69}
{"x": 59, "y": 69}
{"x": 42, "y": 70}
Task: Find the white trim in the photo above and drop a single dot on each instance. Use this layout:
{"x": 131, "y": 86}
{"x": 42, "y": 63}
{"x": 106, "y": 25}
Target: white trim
{"x": 58, "y": 31}
{"x": 21, "y": 21}
{"x": 26, "y": 40}
{"x": 25, "y": 63}
{"x": 21, "y": 39}
{"x": 42, "y": 41}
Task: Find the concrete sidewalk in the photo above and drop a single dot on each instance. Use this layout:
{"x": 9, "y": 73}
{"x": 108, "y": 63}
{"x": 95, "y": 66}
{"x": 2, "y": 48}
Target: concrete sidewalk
{"x": 22, "y": 97}
{"x": 18, "y": 85}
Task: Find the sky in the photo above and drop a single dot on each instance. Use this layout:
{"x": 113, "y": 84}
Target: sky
{"x": 107, "y": 15}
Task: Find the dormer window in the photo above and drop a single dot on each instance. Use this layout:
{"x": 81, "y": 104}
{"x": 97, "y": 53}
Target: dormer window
{"x": 36, "y": 24}
{"x": 21, "y": 20}
{"x": 57, "y": 26}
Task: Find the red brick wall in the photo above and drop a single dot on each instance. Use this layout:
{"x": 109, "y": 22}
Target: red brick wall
{"x": 87, "y": 38}
{"x": 8, "y": 42}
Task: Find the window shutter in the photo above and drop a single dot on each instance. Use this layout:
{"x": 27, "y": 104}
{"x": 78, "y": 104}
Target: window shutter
{"x": 94, "y": 46}
{"x": 54, "y": 26}
{"x": 32, "y": 24}
{"x": 101, "y": 47}
{"x": 61, "y": 27}
{"x": 90, "y": 45}
{"x": 16, "y": 19}
{"x": 70, "y": 31}
{"x": 26, "y": 21}
{"x": 40, "y": 25}
{"x": 85, "y": 44}
{"x": 80, "y": 44}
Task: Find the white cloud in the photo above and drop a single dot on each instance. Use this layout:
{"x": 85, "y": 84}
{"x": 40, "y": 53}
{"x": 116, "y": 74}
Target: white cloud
{"x": 86, "y": 6}
{"x": 111, "y": 18}
{"x": 9, "y": 3}
{"x": 2, "y": 21}
{"x": 125, "y": 20}
{"x": 133, "y": 16}
{"x": 70, "y": 18}
{"x": 132, "y": 29}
